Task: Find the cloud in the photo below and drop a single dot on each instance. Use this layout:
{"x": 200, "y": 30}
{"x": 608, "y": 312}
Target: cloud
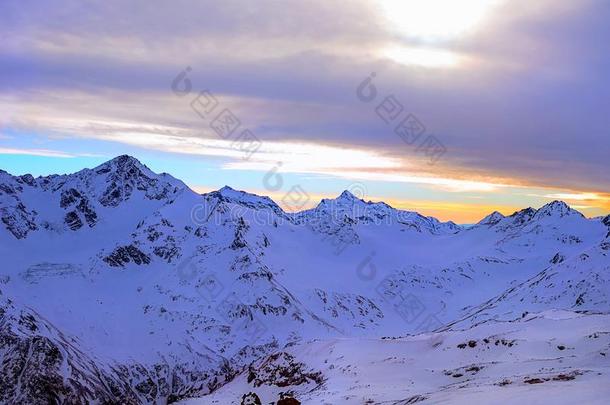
{"x": 524, "y": 105}
{"x": 579, "y": 196}
{"x": 39, "y": 152}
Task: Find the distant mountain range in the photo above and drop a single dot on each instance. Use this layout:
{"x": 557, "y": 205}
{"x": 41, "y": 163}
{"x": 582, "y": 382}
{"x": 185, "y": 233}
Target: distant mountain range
{"x": 120, "y": 285}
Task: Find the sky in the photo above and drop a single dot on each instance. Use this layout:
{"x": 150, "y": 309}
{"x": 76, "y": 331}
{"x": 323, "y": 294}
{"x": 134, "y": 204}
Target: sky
{"x": 450, "y": 108}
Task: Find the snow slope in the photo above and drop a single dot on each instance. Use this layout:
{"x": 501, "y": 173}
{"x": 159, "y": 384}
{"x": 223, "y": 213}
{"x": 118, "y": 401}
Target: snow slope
{"x": 554, "y": 357}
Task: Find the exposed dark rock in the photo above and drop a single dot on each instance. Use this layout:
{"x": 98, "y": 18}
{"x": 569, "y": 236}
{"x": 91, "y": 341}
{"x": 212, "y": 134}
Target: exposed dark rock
{"x": 69, "y": 197}
{"x": 27, "y": 179}
{"x": 18, "y": 220}
{"x": 415, "y": 399}
{"x": 282, "y": 370}
{"x": 126, "y": 254}
{"x": 250, "y": 399}
{"x": 238, "y": 240}
{"x": 533, "y": 381}
{"x": 167, "y": 253}
{"x": 90, "y": 215}
{"x": 288, "y": 401}
{"x": 9, "y": 189}
{"x": 558, "y": 258}
{"x": 73, "y": 220}
{"x": 564, "y": 377}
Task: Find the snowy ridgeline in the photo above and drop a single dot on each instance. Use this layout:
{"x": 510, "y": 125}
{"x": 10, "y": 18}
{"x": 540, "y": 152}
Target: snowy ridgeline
{"x": 124, "y": 286}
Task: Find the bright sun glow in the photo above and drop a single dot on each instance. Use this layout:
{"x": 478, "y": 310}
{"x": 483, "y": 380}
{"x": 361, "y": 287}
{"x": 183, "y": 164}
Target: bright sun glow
{"x": 436, "y": 19}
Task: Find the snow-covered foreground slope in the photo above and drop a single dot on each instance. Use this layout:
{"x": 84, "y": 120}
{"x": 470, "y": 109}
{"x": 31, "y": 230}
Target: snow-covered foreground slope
{"x": 43, "y": 365}
{"x": 147, "y": 276}
{"x": 554, "y": 357}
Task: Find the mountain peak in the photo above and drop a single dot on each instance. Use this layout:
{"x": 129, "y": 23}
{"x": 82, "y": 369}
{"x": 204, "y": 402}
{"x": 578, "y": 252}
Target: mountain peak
{"x": 118, "y": 178}
{"x": 348, "y": 196}
{"x": 236, "y": 195}
{"x": 556, "y": 208}
{"x": 124, "y": 162}
{"x": 557, "y": 204}
{"x": 124, "y": 159}
{"x": 127, "y": 167}
{"x": 231, "y": 195}
{"x": 492, "y": 219}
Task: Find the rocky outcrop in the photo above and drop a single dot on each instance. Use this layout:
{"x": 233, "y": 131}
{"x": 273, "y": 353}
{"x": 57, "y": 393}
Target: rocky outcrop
{"x": 558, "y": 258}
{"x": 126, "y": 254}
{"x": 250, "y": 399}
{"x": 282, "y": 370}
{"x": 80, "y": 205}
{"x": 18, "y": 220}
{"x": 73, "y": 221}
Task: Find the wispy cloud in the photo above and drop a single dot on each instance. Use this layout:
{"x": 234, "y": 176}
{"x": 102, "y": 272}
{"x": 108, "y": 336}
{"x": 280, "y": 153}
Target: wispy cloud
{"x": 40, "y": 152}
{"x": 578, "y": 199}
{"x": 578, "y": 196}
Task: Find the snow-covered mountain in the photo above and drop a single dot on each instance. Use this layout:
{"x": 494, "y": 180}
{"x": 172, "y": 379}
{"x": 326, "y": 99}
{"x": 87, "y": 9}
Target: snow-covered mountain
{"x": 122, "y": 285}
